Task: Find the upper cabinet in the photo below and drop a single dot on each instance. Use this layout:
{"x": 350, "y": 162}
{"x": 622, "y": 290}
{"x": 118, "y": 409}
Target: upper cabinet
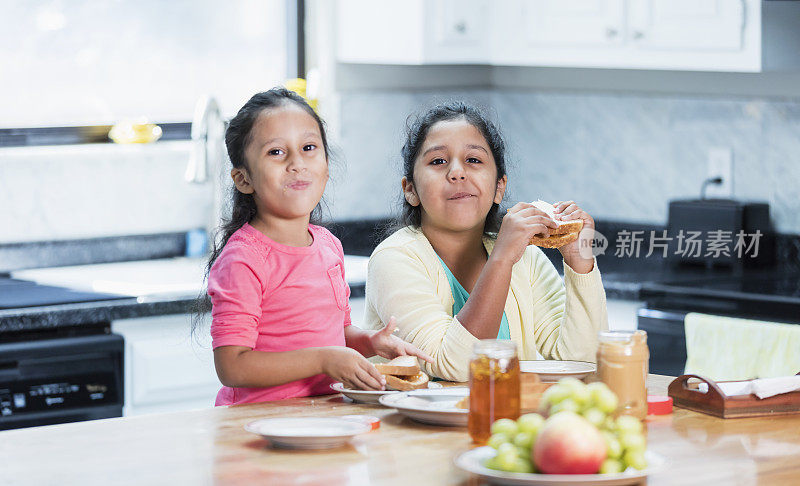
{"x": 704, "y": 35}
{"x": 413, "y": 31}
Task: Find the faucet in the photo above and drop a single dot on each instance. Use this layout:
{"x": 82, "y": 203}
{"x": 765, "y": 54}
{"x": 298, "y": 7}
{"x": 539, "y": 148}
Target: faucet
{"x": 208, "y": 156}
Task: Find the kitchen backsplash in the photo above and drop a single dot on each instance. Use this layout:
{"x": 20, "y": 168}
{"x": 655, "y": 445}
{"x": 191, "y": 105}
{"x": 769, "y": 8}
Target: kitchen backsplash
{"x": 622, "y": 157}
{"x": 88, "y": 191}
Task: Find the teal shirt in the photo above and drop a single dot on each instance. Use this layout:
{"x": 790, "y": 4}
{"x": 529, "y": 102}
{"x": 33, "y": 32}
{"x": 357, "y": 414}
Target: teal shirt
{"x": 460, "y": 296}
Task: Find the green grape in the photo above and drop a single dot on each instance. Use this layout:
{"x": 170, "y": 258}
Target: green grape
{"x": 521, "y": 465}
{"x": 581, "y": 396}
{"x": 626, "y": 423}
{"x": 595, "y": 416}
{"x": 496, "y": 440}
{"x": 524, "y": 440}
{"x": 506, "y": 447}
{"x": 530, "y": 423}
{"x": 577, "y": 390}
{"x": 491, "y": 463}
{"x": 631, "y": 441}
{"x": 602, "y": 397}
{"x": 567, "y": 404}
{"x": 504, "y": 426}
{"x": 553, "y": 395}
{"x": 613, "y": 447}
{"x": 610, "y": 466}
{"x": 609, "y": 424}
{"x": 506, "y": 460}
{"x": 635, "y": 459}
{"x": 571, "y": 384}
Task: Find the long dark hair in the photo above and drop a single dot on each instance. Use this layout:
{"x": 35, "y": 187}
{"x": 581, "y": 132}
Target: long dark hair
{"x": 417, "y": 128}
{"x": 238, "y": 136}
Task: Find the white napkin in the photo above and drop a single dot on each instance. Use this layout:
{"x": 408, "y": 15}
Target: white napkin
{"x": 768, "y": 387}
{"x": 762, "y": 387}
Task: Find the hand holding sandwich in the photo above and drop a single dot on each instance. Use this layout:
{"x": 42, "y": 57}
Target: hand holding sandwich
{"x": 569, "y": 211}
{"x": 549, "y": 226}
{"x": 520, "y": 224}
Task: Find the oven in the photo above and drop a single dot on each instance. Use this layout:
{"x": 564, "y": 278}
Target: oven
{"x": 61, "y": 377}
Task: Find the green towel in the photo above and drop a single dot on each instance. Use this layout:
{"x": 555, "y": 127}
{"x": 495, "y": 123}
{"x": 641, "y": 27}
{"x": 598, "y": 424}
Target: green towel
{"x": 460, "y": 296}
{"x": 727, "y": 348}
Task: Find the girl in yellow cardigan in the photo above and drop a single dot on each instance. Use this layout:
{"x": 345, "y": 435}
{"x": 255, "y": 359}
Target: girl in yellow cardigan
{"x": 457, "y": 273}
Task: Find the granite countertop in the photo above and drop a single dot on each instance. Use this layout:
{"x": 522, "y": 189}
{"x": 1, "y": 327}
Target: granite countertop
{"x": 626, "y": 279}
{"x": 623, "y": 278}
{"x": 69, "y": 315}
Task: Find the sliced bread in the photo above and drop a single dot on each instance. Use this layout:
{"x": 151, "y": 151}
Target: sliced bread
{"x": 400, "y": 366}
{"x": 406, "y": 383}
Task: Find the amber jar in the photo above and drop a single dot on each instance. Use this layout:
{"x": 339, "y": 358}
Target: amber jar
{"x": 622, "y": 364}
{"x": 493, "y": 386}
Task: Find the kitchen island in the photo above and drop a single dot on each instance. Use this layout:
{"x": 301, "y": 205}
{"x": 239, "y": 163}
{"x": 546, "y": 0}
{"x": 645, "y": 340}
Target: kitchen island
{"x": 211, "y": 447}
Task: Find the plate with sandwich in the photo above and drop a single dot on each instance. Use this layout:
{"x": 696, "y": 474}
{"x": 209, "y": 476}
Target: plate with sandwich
{"x": 445, "y": 406}
{"x": 402, "y": 374}
{"x": 567, "y": 231}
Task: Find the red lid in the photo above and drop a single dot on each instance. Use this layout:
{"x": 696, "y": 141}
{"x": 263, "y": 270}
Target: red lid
{"x": 370, "y": 420}
{"x": 659, "y": 405}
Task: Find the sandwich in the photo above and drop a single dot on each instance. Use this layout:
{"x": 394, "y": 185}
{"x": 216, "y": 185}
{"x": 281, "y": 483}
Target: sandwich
{"x": 403, "y": 373}
{"x": 566, "y": 233}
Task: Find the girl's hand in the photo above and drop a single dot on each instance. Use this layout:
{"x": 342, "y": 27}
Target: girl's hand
{"x": 351, "y": 368}
{"x": 387, "y": 345}
{"x": 568, "y": 211}
{"x": 520, "y": 223}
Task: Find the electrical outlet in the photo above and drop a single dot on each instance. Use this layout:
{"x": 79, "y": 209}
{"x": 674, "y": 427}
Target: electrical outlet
{"x": 720, "y": 164}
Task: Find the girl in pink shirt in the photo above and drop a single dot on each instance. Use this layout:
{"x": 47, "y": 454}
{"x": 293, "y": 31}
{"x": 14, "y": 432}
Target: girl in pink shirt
{"x": 280, "y": 314}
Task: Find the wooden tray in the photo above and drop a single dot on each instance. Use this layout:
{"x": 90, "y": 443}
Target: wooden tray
{"x": 715, "y": 402}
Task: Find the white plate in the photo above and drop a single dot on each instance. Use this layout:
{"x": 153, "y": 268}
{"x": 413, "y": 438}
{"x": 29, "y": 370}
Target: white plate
{"x": 472, "y": 461}
{"x": 553, "y": 370}
{"x": 370, "y": 396}
{"x": 437, "y": 407}
{"x": 307, "y": 432}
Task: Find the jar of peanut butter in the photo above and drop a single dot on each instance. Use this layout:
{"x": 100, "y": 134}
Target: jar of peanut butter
{"x": 622, "y": 364}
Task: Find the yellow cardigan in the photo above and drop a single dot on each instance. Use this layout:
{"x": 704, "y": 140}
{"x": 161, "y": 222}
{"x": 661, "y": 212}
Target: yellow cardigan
{"x": 406, "y": 280}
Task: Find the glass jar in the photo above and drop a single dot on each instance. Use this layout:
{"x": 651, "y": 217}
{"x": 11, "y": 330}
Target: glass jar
{"x": 622, "y": 364}
{"x": 493, "y": 386}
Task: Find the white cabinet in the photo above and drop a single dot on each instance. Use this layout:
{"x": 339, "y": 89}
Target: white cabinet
{"x": 715, "y": 25}
{"x": 166, "y": 369}
{"x": 412, "y": 31}
{"x": 586, "y": 23}
{"x": 706, "y": 35}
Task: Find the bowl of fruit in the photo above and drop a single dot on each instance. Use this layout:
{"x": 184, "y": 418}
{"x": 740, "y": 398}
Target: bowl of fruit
{"x": 576, "y": 439}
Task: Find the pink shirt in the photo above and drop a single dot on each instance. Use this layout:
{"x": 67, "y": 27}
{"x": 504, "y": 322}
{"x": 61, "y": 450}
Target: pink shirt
{"x": 272, "y": 297}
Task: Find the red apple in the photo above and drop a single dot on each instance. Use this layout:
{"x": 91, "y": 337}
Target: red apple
{"x": 568, "y": 444}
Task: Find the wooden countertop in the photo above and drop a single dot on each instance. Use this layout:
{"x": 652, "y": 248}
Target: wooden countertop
{"x": 211, "y": 447}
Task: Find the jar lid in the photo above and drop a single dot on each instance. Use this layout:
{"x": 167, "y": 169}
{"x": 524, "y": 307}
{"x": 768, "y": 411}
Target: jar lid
{"x": 622, "y": 336}
{"x": 659, "y": 405}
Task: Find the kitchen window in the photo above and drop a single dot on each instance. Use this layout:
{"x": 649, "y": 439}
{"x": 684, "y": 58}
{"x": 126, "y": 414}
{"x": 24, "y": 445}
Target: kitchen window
{"x": 73, "y": 68}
